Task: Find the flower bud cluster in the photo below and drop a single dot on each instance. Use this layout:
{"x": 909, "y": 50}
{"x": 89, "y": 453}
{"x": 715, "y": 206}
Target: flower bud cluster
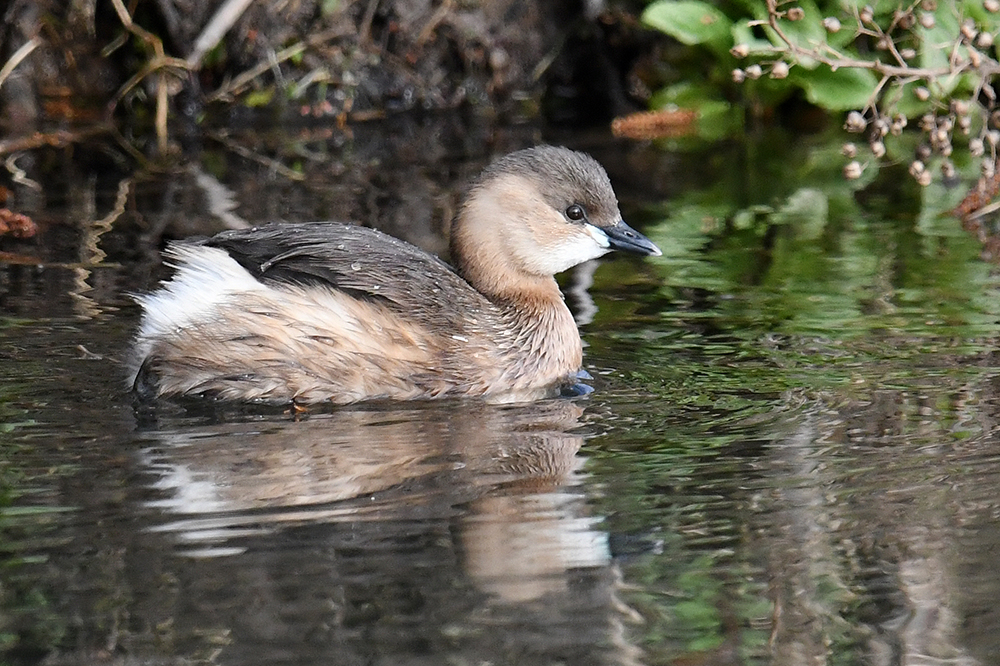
{"x": 778, "y": 70}
{"x": 895, "y": 46}
{"x": 939, "y": 130}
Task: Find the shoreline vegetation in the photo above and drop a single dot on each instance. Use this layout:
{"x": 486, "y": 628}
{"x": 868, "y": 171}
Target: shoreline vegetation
{"x": 153, "y": 76}
{"x": 74, "y": 68}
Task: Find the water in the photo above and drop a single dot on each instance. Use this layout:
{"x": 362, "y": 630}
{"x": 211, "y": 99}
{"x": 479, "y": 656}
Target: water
{"x": 790, "y": 457}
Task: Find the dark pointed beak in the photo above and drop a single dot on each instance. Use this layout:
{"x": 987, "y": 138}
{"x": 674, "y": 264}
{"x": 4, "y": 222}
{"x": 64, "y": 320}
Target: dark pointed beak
{"x": 625, "y": 238}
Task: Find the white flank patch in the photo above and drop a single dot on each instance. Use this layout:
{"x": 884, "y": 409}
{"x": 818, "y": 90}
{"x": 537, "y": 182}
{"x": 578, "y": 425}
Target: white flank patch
{"x": 206, "y": 277}
{"x": 209, "y": 283}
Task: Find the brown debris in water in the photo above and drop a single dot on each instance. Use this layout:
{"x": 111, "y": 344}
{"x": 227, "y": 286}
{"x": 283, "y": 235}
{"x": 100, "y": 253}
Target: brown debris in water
{"x": 662, "y": 124}
{"x": 974, "y": 211}
{"x": 56, "y": 139}
{"x": 16, "y": 224}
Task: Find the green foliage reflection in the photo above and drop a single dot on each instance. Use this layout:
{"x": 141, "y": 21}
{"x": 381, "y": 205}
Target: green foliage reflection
{"x": 854, "y": 321}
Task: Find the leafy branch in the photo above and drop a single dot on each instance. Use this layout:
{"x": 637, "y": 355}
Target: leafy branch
{"x": 931, "y": 61}
{"x": 834, "y": 59}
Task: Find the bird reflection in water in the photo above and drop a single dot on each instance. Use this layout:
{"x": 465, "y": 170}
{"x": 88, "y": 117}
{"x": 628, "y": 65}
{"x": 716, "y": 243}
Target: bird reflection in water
{"x": 464, "y": 503}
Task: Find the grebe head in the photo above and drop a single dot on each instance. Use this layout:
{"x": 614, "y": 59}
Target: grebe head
{"x": 535, "y": 213}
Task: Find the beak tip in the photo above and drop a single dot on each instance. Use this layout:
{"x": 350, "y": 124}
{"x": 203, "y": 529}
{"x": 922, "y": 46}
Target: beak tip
{"x": 625, "y": 238}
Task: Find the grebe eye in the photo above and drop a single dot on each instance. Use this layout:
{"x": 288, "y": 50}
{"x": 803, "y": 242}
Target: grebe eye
{"x": 576, "y": 213}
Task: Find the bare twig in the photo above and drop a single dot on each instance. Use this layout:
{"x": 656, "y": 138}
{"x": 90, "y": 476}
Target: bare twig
{"x": 233, "y": 87}
{"x": 18, "y": 175}
{"x": 226, "y": 92}
{"x": 439, "y": 15}
{"x": 320, "y": 74}
{"x": 249, "y": 154}
{"x": 160, "y": 62}
{"x": 20, "y": 54}
{"x": 873, "y": 98}
{"x": 364, "y": 30}
{"x": 215, "y": 30}
{"x": 985, "y": 210}
{"x": 91, "y": 253}
{"x": 978, "y": 198}
{"x": 56, "y": 139}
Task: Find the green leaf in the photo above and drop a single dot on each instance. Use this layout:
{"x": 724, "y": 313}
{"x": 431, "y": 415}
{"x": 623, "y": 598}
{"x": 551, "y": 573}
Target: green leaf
{"x": 258, "y": 98}
{"x": 743, "y": 34}
{"x": 905, "y": 101}
{"x": 883, "y": 9}
{"x": 691, "y": 22}
{"x": 840, "y": 90}
{"x": 936, "y": 49}
{"x": 756, "y": 9}
{"x": 808, "y": 209}
{"x": 935, "y": 44}
{"x": 807, "y": 33}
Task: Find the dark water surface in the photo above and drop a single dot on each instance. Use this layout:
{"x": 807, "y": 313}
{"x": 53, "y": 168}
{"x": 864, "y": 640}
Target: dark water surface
{"x": 791, "y": 456}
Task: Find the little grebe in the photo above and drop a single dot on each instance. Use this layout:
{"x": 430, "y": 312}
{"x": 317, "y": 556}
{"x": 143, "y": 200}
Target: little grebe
{"x": 333, "y": 312}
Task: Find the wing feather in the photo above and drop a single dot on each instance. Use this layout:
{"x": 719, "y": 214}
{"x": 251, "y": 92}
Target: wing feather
{"x": 359, "y": 261}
